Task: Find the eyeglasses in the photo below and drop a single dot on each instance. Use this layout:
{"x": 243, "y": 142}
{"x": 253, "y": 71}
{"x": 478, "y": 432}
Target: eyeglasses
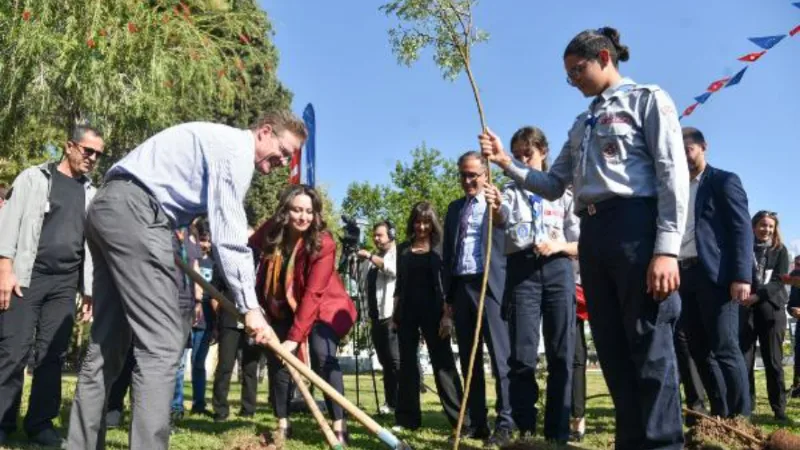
{"x": 577, "y": 71}
{"x": 286, "y": 154}
{"x": 469, "y": 176}
{"x": 88, "y": 152}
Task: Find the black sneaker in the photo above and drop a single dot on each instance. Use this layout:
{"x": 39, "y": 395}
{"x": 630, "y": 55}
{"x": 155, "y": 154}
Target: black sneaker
{"x": 479, "y": 433}
{"x": 794, "y": 391}
{"x": 47, "y": 438}
{"x": 500, "y": 438}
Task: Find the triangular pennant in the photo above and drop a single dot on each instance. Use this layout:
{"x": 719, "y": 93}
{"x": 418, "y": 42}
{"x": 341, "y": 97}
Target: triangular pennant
{"x": 736, "y": 78}
{"x": 717, "y": 85}
{"x": 688, "y": 111}
{"x": 703, "y": 98}
{"x": 767, "y": 42}
{"x": 752, "y": 57}
{"x": 794, "y": 31}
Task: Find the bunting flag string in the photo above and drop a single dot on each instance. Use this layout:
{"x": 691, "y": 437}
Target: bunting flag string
{"x": 766, "y": 43}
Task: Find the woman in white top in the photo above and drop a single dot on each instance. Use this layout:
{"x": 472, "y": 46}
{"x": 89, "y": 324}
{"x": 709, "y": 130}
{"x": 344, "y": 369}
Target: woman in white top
{"x": 541, "y": 239}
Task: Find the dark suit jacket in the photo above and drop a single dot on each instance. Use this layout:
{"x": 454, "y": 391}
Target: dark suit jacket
{"x": 723, "y": 232}
{"x": 497, "y": 271}
{"x": 773, "y": 292}
{"x": 404, "y": 281}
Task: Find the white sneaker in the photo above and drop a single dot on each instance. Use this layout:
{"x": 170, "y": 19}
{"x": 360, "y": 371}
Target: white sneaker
{"x": 386, "y": 409}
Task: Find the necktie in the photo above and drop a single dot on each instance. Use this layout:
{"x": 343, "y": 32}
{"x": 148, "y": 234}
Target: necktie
{"x": 463, "y": 226}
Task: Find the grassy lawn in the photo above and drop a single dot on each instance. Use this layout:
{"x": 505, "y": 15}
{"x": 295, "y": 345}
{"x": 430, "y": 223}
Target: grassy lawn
{"x": 198, "y": 433}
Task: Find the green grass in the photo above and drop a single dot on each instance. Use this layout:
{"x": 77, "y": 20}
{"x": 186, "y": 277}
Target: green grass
{"x": 200, "y": 433}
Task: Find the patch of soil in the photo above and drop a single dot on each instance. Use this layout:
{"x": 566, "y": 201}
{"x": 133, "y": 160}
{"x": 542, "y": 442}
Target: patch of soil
{"x": 709, "y": 435}
{"x": 247, "y": 442}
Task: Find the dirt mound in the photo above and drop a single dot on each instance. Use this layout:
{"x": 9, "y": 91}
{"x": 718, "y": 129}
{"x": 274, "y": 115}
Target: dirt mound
{"x": 709, "y": 435}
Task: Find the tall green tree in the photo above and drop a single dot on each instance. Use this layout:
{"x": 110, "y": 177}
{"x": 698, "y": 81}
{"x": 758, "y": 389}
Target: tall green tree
{"x": 429, "y": 176}
{"x": 132, "y": 67}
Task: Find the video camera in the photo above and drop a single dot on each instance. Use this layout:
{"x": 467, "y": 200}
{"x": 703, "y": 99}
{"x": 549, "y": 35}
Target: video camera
{"x": 351, "y": 238}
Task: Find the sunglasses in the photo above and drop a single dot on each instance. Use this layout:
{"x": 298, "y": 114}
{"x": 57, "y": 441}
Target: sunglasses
{"x": 767, "y": 213}
{"x": 88, "y": 152}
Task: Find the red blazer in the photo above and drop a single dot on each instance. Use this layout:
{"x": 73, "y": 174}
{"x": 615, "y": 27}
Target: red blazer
{"x": 320, "y": 293}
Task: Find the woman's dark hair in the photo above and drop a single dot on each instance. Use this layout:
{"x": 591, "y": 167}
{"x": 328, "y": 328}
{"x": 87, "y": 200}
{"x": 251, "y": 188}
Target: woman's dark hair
{"x": 588, "y": 44}
{"x": 532, "y": 138}
{"x": 275, "y": 236}
{"x": 777, "y": 241}
{"x": 424, "y": 211}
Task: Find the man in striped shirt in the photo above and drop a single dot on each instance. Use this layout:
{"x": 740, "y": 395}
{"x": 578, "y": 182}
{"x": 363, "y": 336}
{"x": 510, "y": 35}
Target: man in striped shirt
{"x": 186, "y": 171}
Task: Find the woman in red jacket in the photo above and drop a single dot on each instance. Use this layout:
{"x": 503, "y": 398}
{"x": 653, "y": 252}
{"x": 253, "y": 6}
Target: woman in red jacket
{"x": 304, "y": 297}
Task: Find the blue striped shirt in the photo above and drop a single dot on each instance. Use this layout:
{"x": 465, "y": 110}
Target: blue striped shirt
{"x": 470, "y": 260}
{"x": 200, "y": 168}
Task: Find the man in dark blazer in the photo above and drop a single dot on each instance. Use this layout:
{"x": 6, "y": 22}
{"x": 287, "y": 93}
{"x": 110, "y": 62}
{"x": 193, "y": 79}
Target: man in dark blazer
{"x": 465, "y": 237}
{"x": 716, "y": 262}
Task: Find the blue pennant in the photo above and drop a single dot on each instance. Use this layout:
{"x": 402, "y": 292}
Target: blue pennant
{"x": 736, "y": 78}
{"x": 702, "y": 98}
{"x": 767, "y": 42}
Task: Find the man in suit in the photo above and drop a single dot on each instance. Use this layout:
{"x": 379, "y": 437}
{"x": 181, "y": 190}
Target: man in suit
{"x": 465, "y": 237}
{"x": 716, "y": 263}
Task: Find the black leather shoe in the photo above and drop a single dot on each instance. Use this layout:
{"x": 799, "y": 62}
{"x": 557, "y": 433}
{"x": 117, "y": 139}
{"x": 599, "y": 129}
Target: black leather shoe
{"x": 500, "y": 438}
{"x": 480, "y": 433}
{"x": 47, "y": 438}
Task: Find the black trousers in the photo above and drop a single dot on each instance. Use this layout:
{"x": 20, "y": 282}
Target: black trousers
{"x": 230, "y": 340}
{"x": 495, "y": 333}
{"x": 40, "y": 322}
{"x": 579, "y": 371}
{"x": 323, "y": 344}
{"x": 633, "y": 333}
{"x": 448, "y": 381}
{"x": 694, "y": 393}
{"x": 386, "y": 347}
{"x": 116, "y": 397}
{"x": 766, "y": 323}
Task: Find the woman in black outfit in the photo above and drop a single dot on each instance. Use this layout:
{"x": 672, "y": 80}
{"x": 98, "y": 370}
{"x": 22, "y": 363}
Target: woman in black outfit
{"x": 762, "y": 317}
{"x": 420, "y": 308}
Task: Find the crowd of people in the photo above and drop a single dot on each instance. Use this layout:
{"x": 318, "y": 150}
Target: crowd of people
{"x": 629, "y": 230}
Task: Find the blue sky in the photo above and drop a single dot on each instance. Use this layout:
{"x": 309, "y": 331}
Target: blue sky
{"x": 372, "y": 112}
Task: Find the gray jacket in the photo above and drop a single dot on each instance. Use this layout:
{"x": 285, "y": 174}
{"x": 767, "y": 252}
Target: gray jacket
{"x": 21, "y": 223}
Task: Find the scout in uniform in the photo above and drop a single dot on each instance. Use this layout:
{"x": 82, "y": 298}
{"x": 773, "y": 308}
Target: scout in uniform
{"x": 626, "y": 160}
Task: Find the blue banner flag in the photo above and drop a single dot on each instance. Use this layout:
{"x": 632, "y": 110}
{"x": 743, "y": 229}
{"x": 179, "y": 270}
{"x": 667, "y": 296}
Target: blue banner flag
{"x": 311, "y": 125}
{"x": 736, "y": 78}
{"x": 703, "y": 98}
{"x": 767, "y": 42}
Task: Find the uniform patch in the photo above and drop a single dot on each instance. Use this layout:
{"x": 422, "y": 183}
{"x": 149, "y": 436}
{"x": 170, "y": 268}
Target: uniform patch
{"x": 554, "y": 234}
{"x": 608, "y": 119}
{"x": 667, "y": 110}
